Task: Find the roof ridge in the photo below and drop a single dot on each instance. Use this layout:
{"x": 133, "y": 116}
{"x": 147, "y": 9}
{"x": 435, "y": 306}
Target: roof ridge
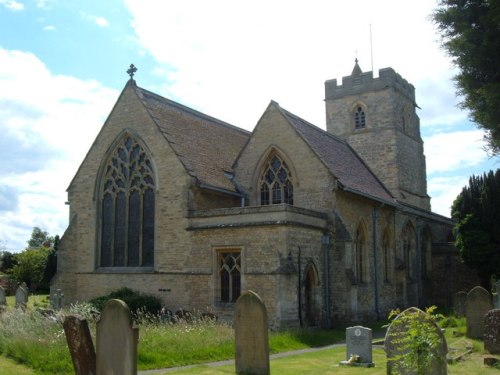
{"x": 141, "y": 91}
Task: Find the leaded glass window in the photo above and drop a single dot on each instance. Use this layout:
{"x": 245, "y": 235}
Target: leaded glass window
{"x": 127, "y": 208}
{"x": 359, "y": 118}
{"x": 229, "y": 275}
{"x": 360, "y": 256}
{"x": 276, "y": 184}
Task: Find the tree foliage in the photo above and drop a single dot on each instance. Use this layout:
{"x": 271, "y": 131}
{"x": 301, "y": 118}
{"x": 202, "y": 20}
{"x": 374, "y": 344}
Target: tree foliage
{"x": 7, "y": 261}
{"x": 477, "y": 212}
{"x": 470, "y": 30}
{"x": 37, "y": 264}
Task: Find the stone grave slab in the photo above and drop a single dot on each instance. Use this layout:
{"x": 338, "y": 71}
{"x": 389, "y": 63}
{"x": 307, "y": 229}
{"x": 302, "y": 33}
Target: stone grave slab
{"x": 3, "y": 299}
{"x": 358, "y": 347}
{"x": 478, "y": 303}
{"x": 492, "y": 331}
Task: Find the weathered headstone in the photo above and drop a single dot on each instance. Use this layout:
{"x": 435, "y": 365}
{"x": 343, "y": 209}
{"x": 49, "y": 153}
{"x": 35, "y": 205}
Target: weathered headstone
{"x": 251, "y": 335}
{"x": 21, "y": 296}
{"x": 57, "y": 299}
{"x": 477, "y": 305}
{"x": 80, "y": 345}
{"x": 492, "y": 331}
{"x": 3, "y": 299}
{"x": 116, "y": 340}
{"x": 459, "y": 303}
{"x": 358, "y": 347}
{"x": 398, "y": 346}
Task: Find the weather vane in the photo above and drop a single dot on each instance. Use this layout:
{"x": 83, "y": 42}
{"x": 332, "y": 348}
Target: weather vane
{"x": 131, "y": 71}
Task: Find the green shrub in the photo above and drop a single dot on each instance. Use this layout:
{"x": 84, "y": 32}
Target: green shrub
{"x": 136, "y": 301}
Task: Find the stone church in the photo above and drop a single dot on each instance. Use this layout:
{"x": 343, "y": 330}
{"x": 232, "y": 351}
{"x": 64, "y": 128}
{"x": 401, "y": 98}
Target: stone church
{"x": 328, "y": 227}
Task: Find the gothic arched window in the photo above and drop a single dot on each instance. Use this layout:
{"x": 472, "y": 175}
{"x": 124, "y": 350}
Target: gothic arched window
{"x": 276, "y": 184}
{"x": 127, "y": 208}
{"x": 359, "y": 118}
{"x": 360, "y": 256}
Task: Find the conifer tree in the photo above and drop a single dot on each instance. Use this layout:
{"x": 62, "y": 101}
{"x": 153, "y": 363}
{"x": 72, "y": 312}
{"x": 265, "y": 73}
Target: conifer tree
{"x": 477, "y": 212}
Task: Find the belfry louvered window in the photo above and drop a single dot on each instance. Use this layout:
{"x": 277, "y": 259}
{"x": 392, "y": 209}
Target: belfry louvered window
{"x": 276, "y": 184}
{"x": 127, "y": 208}
{"x": 359, "y": 118}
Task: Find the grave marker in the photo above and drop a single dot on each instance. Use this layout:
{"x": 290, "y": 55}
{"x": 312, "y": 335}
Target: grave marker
{"x": 358, "y": 347}
{"x": 492, "y": 331}
{"x": 400, "y": 350}
{"x": 80, "y": 345}
{"x": 21, "y": 296}
{"x": 3, "y": 299}
{"x": 477, "y": 305}
{"x": 116, "y": 340}
{"x": 251, "y": 335}
{"x": 459, "y": 303}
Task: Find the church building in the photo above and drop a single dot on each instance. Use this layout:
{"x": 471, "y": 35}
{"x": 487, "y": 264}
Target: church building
{"x": 328, "y": 227}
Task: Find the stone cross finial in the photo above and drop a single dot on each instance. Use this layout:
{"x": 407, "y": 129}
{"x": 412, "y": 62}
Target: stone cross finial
{"x": 131, "y": 71}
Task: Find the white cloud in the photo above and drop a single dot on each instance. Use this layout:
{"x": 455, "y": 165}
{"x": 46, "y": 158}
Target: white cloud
{"x": 49, "y": 28}
{"x": 12, "y": 5}
{"x": 450, "y": 151}
{"x": 99, "y": 21}
{"x": 443, "y": 191}
{"x": 52, "y": 119}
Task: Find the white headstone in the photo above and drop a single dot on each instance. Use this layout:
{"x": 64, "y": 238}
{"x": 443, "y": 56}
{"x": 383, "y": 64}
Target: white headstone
{"x": 359, "y": 343}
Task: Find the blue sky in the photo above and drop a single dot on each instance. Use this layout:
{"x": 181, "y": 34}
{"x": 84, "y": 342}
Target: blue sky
{"x": 63, "y": 65}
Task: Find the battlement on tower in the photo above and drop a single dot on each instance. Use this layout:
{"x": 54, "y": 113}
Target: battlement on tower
{"x": 363, "y": 82}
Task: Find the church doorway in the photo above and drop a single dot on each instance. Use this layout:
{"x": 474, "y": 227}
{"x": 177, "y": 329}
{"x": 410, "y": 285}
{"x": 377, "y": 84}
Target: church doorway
{"x": 311, "y": 308}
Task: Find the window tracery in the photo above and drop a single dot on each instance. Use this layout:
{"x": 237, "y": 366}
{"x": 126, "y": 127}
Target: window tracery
{"x": 276, "y": 184}
{"x": 127, "y": 208}
{"x": 229, "y": 275}
{"x": 359, "y": 118}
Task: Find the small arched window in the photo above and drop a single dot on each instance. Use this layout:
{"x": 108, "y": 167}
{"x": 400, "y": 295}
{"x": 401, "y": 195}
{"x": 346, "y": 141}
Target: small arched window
{"x": 127, "y": 208}
{"x": 359, "y": 118}
{"x": 276, "y": 184}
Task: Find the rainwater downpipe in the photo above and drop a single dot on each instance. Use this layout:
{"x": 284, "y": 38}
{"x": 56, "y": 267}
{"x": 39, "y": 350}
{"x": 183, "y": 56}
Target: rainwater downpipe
{"x": 325, "y": 241}
{"x": 375, "y": 259}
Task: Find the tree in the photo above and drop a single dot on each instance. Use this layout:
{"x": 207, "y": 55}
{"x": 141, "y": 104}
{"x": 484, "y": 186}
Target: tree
{"x": 37, "y": 264}
{"x": 477, "y": 212}
{"x": 40, "y": 238}
{"x": 470, "y": 31}
{"x": 7, "y": 261}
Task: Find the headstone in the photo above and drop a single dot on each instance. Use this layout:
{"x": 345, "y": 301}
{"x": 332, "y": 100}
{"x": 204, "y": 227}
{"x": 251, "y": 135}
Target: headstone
{"x": 251, "y": 335}
{"x": 358, "y": 347}
{"x": 459, "y": 303}
{"x": 398, "y": 346}
{"x": 477, "y": 305}
{"x": 116, "y": 340}
{"x": 57, "y": 299}
{"x": 492, "y": 331}
{"x": 3, "y": 299}
{"x": 80, "y": 345}
{"x": 21, "y": 296}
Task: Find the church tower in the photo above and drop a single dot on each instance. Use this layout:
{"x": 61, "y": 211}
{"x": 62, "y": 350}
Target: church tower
{"x": 377, "y": 117}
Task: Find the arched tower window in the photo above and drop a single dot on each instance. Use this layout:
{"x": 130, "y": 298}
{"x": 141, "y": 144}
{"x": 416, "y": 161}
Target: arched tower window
{"x": 276, "y": 185}
{"x": 359, "y": 118}
{"x": 360, "y": 255}
{"x": 127, "y": 208}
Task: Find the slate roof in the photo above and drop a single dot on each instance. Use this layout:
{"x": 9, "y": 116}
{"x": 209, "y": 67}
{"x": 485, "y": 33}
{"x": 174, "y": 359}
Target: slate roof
{"x": 206, "y": 146}
{"x": 342, "y": 161}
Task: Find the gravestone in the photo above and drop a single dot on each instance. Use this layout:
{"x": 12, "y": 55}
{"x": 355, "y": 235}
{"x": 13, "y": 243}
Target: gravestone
{"x": 57, "y": 299}
{"x": 397, "y": 342}
{"x": 251, "y": 335}
{"x": 3, "y": 299}
{"x": 459, "y": 303}
{"x": 116, "y": 340}
{"x": 492, "y": 331}
{"x": 477, "y": 305}
{"x": 21, "y": 296}
{"x": 80, "y": 345}
{"x": 358, "y": 347}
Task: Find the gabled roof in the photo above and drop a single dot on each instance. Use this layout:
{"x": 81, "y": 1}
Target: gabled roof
{"x": 342, "y": 161}
{"x": 207, "y": 147}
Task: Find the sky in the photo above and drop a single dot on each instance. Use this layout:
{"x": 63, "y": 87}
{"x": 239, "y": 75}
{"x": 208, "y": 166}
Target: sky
{"x": 63, "y": 65}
